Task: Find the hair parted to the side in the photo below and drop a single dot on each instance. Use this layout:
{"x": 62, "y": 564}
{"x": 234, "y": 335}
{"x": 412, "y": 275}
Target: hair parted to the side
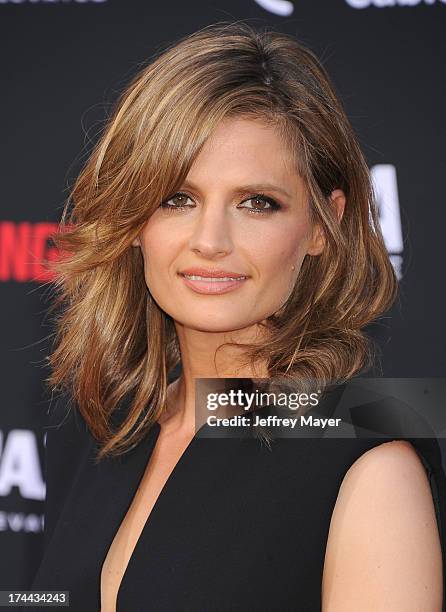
{"x": 111, "y": 338}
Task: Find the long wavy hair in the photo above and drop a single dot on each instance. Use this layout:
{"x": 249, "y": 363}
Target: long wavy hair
{"x": 111, "y": 339}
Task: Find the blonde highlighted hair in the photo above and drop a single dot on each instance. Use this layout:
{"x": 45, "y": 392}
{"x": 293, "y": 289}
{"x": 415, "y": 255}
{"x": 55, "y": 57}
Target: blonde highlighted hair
{"x": 112, "y": 341}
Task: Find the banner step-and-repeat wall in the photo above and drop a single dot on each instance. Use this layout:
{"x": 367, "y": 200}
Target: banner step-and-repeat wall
{"x": 65, "y": 62}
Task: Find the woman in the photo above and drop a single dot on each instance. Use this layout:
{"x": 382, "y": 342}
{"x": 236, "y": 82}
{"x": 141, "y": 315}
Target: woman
{"x": 226, "y": 220}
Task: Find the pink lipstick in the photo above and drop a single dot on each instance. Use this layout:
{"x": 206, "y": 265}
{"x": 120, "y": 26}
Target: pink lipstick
{"x": 212, "y": 280}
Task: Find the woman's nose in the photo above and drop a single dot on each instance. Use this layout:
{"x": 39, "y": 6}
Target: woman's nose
{"x": 211, "y": 235}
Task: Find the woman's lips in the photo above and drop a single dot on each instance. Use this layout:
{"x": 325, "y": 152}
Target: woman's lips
{"x": 212, "y": 285}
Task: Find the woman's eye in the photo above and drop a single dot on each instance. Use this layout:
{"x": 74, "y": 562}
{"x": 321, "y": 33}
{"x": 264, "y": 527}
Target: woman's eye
{"x": 261, "y": 204}
{"x": 178, "y": 202}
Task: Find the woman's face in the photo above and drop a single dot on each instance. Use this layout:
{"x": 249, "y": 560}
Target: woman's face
{"x": 220, "y": 222}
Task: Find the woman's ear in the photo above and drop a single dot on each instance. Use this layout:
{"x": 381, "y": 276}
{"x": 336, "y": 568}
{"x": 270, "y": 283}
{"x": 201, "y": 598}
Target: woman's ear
{"x": 317, "y": 244}
{"x": 136, "y": 242}
{"x": 338, "y": 199}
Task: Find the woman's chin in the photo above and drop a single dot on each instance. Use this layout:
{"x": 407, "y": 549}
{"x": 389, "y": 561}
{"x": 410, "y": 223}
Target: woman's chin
{"x": 212, "y": 324}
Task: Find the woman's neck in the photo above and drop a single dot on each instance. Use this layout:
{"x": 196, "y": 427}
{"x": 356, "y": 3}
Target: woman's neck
{"x": 185, "y": 394}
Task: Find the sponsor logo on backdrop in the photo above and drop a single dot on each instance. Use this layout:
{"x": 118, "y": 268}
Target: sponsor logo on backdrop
{"x": 386, "y": 192}
{"x": 285, "y": 8}
{"x": 23, "y": 249}
{"x": 20, "y": 470}
{"x": 277, "y": 7}
{"x": 52, "y": 1}
{"x": 21, "y": 522}
{"x": 362, "y": 4}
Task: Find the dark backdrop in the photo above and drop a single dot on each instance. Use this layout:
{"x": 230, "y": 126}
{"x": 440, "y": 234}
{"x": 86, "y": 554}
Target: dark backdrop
{"x": 64, "y": 62}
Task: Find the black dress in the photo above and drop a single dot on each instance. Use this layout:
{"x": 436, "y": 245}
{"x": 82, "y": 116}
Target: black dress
{"x": 237, "y": 527}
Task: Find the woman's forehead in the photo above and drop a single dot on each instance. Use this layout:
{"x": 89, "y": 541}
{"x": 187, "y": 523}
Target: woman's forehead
{"x": 245, "y": 151}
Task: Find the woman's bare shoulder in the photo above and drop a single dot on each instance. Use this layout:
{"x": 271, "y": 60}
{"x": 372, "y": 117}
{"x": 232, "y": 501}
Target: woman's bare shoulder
{"x": 383, "y": 550}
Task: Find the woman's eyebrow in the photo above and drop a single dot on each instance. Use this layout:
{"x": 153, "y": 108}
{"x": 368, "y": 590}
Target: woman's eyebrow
{"x": 244, "y": 189}
{"x": 262, "y": 187}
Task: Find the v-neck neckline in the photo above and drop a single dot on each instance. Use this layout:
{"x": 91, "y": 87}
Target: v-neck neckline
{"x": 155, "y": 431}
{"x": 169, "y": 483}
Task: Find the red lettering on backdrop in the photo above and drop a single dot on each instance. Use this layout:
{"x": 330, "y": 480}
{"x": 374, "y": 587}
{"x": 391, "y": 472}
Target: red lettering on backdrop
{"x": 24, "y": 249}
